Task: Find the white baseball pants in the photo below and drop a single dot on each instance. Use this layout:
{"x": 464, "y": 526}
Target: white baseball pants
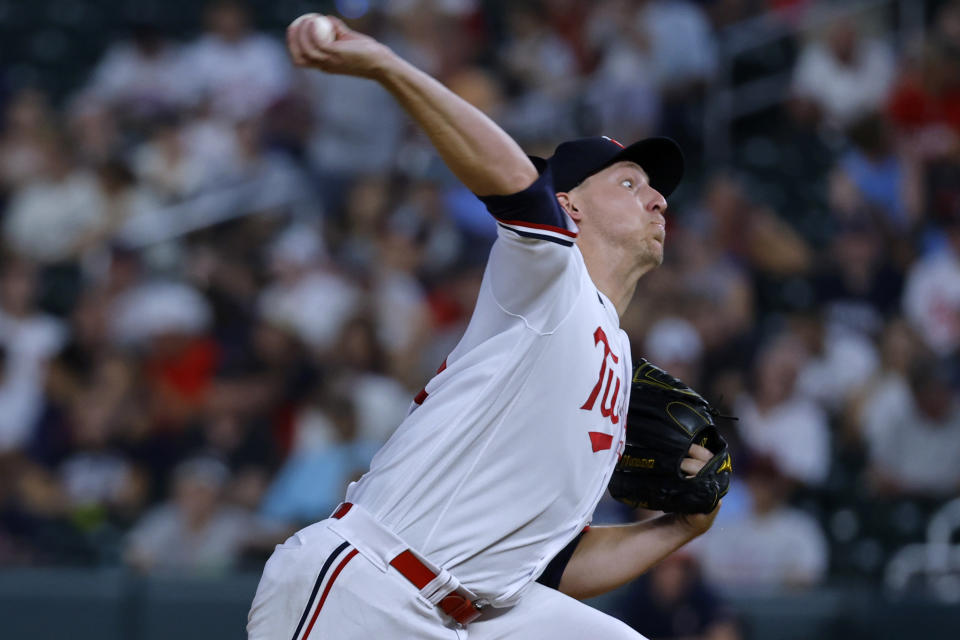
{"x": 319, "y": 586}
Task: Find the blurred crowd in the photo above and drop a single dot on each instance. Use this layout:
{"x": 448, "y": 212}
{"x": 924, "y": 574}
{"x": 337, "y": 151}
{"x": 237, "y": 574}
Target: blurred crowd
{"x": 224, "y": 279}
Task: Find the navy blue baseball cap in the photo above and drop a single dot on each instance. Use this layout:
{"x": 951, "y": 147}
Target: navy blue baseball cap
{"x": 576, "y": 160}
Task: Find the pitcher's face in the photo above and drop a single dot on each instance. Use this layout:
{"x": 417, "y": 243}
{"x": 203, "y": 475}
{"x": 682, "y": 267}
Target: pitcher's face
{"x": 619, "y": 205}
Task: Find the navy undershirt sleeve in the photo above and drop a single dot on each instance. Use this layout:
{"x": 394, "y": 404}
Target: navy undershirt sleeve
{"x": 535, "y": 205}
{"x": 554, "y": 571}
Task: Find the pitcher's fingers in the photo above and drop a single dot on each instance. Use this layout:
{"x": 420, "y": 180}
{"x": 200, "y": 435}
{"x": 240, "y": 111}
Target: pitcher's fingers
{"x": 691, "y": 467}
{"x": 700, "y": 453}
{"x": 293, "y": 39}
{"x": 307, "y": 47}
{"x": 339, "y": 27}
{"x": 311, "y": 51}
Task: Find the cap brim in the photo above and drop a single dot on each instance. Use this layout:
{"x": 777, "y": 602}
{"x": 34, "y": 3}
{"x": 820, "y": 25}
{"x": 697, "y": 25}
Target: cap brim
{"x": 660, "y": 158}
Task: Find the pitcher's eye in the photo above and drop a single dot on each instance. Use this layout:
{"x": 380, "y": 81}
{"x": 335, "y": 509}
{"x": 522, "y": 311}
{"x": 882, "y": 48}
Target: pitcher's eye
{"x": 627, "y": 182}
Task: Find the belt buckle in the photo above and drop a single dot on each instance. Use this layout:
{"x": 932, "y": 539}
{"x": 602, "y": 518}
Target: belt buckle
{"x": 462, "y": 609}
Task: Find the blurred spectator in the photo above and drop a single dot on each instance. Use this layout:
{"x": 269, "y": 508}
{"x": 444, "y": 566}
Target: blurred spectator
{"x": 744, "y": 240}
{"x": 775, "y": 547}
{"x": 167, "y": 322}
{"x": 674, "y": 345}
{"x": 748, "y": 232}
{"x": 931, "y": 299}
{"x": 99, "y": 482}
{"x": 234, "y": 426}
{"x": 141, "y": 76}
{"x": 239, "y": 71}
{"x": 839, "y": 361}
{"x": 28, "y": 131}
{"x": 858, "y": 286}
{"x": 28, "y": 340}
{"x": 432, "y": 34}
{"x": 170, "y": 166}
{"x": 361, "y": 222}
{"x": 925, "y": 103}
{"x": 58, "y": 214}
{"x": 913, "y": 438}
{"x": 888, "y": 391}
{"x": 32, "y": 529}
{"x": 534, "y": 55}
{"x": 346, "y": 143}
{"x": 683, "y": 51}
{"x": 847, "y": 74}
{"x": 778, "y": 421}
{"x": 806, "y": 152}
{"x": 313, "y": 300}
{"x": 194, "y": 531}
{"x": 312, "y": 481}
{"x": 541, "y": 70}
{"x": 372, "y": 380}
{"x": 75, "y": 211}
{"x": 155, "y": 309}
{"x": 873, "y": 179}
{"x": 95, "y": 134}
{"x": 682, "y": 46}
{"x": 623, "y": 89}
{"x": 399, "y": 301}
{"x": 672, "y": 602}
{"x": 20, "y": 403}
{"x": 422, "y": 211}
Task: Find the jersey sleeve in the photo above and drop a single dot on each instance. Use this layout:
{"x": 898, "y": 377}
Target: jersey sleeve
{"x": 534, "y": 267}
{"x": 534, "y": 213}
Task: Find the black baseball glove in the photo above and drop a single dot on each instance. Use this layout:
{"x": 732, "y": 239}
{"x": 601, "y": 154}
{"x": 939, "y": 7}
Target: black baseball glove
{"x": 665, "y": 417}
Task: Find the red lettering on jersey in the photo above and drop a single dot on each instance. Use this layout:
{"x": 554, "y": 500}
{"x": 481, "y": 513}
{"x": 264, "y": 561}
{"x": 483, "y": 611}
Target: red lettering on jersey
{"x": 607, "y": 379}
{"x": 600, "y": 441}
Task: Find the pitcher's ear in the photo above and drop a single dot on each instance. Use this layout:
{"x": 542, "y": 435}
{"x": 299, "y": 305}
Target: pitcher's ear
{"x": 567, "y": 204}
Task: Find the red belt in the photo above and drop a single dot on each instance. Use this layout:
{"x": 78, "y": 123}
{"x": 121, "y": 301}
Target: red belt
{"x": 454, "y": 604}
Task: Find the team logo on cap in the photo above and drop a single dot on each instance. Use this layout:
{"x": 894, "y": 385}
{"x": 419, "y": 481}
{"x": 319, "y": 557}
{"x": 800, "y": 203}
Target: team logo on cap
{"x": 613, "y": 141}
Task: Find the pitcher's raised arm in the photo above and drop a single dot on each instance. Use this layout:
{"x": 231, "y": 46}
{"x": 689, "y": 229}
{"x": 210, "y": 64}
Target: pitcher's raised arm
{"x": 476, "y": 149}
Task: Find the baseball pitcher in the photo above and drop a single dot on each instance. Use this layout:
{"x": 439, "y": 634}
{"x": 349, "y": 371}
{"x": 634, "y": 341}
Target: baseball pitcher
{"x": 473, "y": 521}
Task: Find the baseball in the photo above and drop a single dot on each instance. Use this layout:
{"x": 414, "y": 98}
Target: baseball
{"x": 321, "y": 30}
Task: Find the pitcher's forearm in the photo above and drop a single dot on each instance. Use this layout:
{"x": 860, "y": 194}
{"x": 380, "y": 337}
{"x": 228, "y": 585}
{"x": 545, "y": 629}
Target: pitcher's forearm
{"x": 610, "y": 557}
{"x": 476, "y": 149}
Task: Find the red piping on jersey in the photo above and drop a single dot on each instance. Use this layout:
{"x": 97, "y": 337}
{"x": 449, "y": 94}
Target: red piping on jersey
{"x": 326, "y": 591}
{"x": 423, "y": 392}
{"x": 545, "y": 227}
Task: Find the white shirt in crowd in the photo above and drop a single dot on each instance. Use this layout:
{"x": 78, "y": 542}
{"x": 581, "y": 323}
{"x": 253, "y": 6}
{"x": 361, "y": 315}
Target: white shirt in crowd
{"x": 47, "y": 220}
{"x": 795, "y": 434}
{"x": 907, "y": 447}
{"x": 127, "y": 77}
{"x": 845, "y": 92}
{"x": 847, "y": 363}
{"x": 778, "y": 549}
{"x": 241, "y": 78}
{"x": 315, "y": 305}
{"x": 682, "y": 44}
{"x": 29, "y": 343}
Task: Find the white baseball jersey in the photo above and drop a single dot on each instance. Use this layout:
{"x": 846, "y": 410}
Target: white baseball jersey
{"x": 507, "y": 451}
